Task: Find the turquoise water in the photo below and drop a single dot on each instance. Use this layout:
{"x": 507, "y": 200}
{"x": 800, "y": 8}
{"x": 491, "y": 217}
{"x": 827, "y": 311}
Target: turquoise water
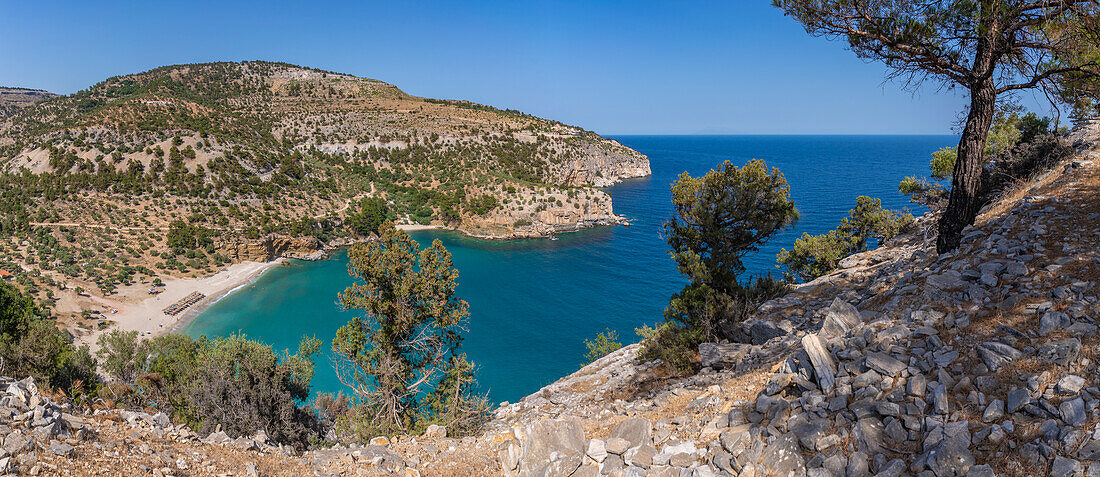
{"x": 533, "y": 302}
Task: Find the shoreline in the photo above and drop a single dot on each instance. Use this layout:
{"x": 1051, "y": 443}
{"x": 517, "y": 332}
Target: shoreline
{"x": 146, "y": 315}
{"x": 412, "y": 227}
{"x": 193, "y": 311}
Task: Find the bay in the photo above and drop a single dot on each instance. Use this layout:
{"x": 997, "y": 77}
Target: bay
{"x": 534, "y": 302}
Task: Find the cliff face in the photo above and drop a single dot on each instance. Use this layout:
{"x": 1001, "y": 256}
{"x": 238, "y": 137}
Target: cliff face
{"x": 268, "y": 248}
{"x": 530, "y": 214}
{"x": 603, "y": 162}
{"x": 13, "y": 99}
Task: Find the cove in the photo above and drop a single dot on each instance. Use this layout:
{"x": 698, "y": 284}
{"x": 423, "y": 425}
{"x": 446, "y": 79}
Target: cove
{"x": 534, "y": 302}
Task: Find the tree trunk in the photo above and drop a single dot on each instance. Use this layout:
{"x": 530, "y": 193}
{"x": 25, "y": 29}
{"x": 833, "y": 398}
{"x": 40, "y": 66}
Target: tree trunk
{"x": 963, "y": 205}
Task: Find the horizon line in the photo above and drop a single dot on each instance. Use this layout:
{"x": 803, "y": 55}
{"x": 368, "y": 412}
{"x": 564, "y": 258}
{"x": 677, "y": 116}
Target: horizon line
{"x": 773, "y": 134}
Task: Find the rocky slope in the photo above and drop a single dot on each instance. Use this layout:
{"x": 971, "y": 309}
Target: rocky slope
{"x": 903, "y": 362}
{"x": 13, "y": 99}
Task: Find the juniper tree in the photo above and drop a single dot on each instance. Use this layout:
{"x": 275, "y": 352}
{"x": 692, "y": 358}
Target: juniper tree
{"x": 399, "y": 355}
{"x": 719, "y": 218}
{"x": 990, "y": 48}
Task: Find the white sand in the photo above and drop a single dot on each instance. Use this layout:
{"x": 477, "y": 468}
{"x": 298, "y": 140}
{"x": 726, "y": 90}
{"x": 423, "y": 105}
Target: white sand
{"x": 147, "y": 317}
{"x": 408, "y": 227}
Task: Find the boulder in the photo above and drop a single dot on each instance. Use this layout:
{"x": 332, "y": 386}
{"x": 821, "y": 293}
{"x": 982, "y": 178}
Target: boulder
{"x": 1052, "y": 321}
{"x": 824, "y": 366}
{"x": 1065, "y": 467}
{"x": 1061, "y": 352}
{"x": 840, "y": 318}
{"x": 885, "y": 364}
{"x": 635, "y": 430}
{"x": 722, "y": 355}
{"x": 783, "y": 457}
{"x": 1017, "y": 399}
{"x": 997, "y": 355}
{"x": 617, "y": 445}
{"x": 948, "y": 280}
{"x": 597, "y": 450}
{"x": 1073, "y": 411}
{"x": 951, "y": 456}
{"x": 762, "y": 331}
{"x": 435, "y": 431}
{"x": 550, "y": 438}
{"x": 60, "y": 448}
{"x": 642, "y": 456}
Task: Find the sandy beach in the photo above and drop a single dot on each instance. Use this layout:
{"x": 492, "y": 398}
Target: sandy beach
{"x": 410, "y": 227}
{"x": 144, "y": 313}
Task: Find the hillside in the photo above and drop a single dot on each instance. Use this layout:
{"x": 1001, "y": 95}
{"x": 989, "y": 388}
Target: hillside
{"x": 902, "y": 362}
{"x": 256, "y": 160}
{"x": 14, "y": 99}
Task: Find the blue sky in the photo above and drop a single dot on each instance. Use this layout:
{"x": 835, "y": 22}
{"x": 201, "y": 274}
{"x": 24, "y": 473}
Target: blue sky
{"x": 630, "y": 67}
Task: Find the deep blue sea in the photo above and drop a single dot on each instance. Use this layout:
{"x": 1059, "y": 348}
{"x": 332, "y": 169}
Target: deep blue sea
{"x": 534, "y": 302}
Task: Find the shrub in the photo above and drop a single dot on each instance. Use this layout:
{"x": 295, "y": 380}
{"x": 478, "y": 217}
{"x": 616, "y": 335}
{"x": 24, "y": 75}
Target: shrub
{"x": 719, "y": 218}
{"x": 183, "y": 237}
{"x": 815, "y": 255}
{"x": 943, "y": 162}
{"x": 605, "y": 342}
{"x": 31, "y": 345}
{"x": 371, "y": 214}
{"x": 672, "y": 343}
{"x": 235, "y": 383}
{"x": 482, "y": 204}
{"x": 923, "y": 192}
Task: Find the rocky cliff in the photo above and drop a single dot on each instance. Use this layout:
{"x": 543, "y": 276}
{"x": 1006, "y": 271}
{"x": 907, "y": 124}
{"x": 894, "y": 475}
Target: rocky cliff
{"x": 13, "y": 99}
{"x": 268, "y": 248}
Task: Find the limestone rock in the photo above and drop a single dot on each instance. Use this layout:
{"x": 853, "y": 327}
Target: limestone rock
{"x": 824, "y": 366}
{"x": 722, "y": 355}
{"x": 636, "y": 430}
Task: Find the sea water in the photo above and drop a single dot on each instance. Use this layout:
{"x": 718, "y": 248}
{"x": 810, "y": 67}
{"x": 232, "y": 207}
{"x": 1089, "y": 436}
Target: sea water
{"x": 534, "y": 302}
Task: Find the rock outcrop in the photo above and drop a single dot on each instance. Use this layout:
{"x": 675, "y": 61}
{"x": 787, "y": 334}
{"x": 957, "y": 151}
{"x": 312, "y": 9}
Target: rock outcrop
{"x": 268, "y": 248}
{"x": 14, "y": 99}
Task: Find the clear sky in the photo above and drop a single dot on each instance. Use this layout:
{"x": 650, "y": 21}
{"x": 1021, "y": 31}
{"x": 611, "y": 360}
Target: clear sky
{"x": 629, "y": 67}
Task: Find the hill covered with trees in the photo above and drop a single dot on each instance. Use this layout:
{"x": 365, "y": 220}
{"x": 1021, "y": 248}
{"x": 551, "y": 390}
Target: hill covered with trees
{"x": 183, "y": 169}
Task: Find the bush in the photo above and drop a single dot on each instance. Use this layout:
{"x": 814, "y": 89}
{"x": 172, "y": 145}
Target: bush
{"x": 943, "y": 162}
{"x": 371, "y": 214}
{"x": 719, "y": 218}
{"x": 671, "y": 343}
{"x": 923, "y": 192}
{"x": 235, "y": 383}
{"x": 182, "y": 237}
{"x": 16, "y": 312}
{"x": 1016, "y": 147}
{"x": 31, "y": 345}
{"x": 605, "y": 342}
{"x": 815, "y": 255}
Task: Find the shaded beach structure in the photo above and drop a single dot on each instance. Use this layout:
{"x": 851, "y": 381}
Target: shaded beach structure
{"x": 183, "y": 303}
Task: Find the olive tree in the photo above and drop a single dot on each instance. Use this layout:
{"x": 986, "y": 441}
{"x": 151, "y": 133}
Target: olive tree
{"x": 989, "y": 48}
